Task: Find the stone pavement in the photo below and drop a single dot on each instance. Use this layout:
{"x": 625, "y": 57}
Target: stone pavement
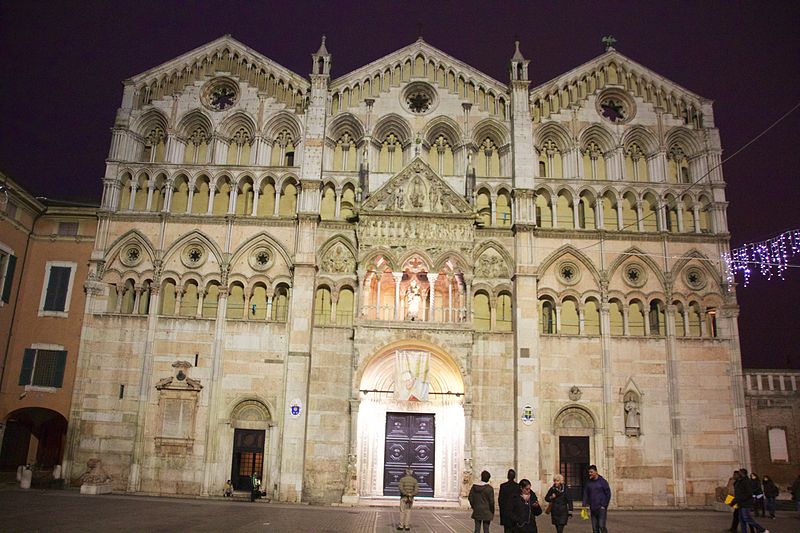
{"x": 68, "y": 511}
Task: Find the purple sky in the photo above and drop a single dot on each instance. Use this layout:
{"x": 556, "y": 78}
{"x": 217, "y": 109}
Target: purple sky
{"x": 63, "y": 64}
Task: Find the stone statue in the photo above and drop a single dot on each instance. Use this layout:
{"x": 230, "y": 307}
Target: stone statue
{"x": 352, "y": 476}
{"x": 413, "y": 300}
{"x": 95, "y": 475}
{"x": 632, "y": 425}
{"x": 466, "y": 479}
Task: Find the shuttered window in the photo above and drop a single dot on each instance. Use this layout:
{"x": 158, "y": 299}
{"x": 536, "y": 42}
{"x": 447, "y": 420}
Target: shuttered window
{"x": 8, "y": 263}
{"x": 57, "y": 288}
{"x": 43, "y": 368}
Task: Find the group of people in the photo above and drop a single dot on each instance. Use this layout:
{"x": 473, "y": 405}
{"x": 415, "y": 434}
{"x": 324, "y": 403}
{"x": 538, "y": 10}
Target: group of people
{"x": 519, "y": 505}
{"x": 749, "y": 496}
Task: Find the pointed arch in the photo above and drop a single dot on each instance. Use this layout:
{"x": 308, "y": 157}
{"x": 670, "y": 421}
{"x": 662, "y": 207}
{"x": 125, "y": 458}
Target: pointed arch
{"x": 442, "y": 125}
{"x": 685, "y": 138}
{"x": 192, "y": 120}
{"x": 553, "y": 131}
{"x": 582, "y": 258}
{"x": 345, "y": 122}
{"x": 280, "y": 121}
{"x": 641, "y": 136}
{"x": 186, "y": 238}
{"x": 149, "y": 120}
{"x": 133, "y": 235}
{"x": 393, "y": 123}
{"x": 638, "y": 253}
{"x": 598, "y": 134}
{"x": 493, "y": 129}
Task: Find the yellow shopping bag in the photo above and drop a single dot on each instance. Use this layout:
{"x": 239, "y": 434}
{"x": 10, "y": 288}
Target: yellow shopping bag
{"x": 729, "y": 499}
{"x": 585, "y": 513}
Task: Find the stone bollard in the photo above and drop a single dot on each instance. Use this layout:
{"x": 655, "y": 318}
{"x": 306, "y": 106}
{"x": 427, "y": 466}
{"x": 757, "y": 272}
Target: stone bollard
{"x": 27, "y": 477}
{"x": 20, "y": 468}
{"x": 57, "y": 472}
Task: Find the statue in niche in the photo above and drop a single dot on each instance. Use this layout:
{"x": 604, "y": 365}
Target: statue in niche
{"x": 417, "y": 194}
{"x": 398, "y": 201}
{"x": 352, "y": 476}
{"x": 434, "y": 196}
{"x": 632, "y": 424}
{"x": 413, "y": 300}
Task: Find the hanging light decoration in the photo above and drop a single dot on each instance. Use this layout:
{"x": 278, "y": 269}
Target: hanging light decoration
{"x": 770, "y": 258}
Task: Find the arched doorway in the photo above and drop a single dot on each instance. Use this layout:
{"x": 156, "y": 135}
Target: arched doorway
{"x": 33, "y": 435}
{"x": 411, "y": 414}
{"x": 250, "y": 444}
{"x": 575, "y": 429}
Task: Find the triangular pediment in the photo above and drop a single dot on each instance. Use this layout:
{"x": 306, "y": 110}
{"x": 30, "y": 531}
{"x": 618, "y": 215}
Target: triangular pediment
{"x": 420, "y": 48}
{"x": 235, "y": 57}
{"x": 417, "y": 189}
{"x": 624, "y": 66}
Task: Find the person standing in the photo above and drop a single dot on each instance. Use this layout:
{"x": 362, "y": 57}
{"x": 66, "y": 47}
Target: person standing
{"x": 735, "y": 520}
{"x": 795, "y": 490}
{"x": 255, "y": 487}
{"x": 596, "y": 496}
{"x": 526, "y": 508}
{"x": 408, "y": 489}
{"x": 771, "y": 492}
{"x": 758, "y": 495}
{"x": 509, "y": 492}
{"x": 481, "y": 499}
{"x": 560, "y": 504}
{"x": 743, "y": 497}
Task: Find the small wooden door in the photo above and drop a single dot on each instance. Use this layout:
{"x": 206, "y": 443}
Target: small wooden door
{"x": 410, "y": 443}
{"x": 248, "y": 457}
{"x": 574, "y": 457}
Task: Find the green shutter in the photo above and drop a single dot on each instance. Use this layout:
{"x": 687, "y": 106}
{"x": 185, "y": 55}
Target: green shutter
{"x": 12, "y": 262}
{"x": 27, "y": 366}
{"x": 61, "y": 363}
{"x": 56, "y": 296}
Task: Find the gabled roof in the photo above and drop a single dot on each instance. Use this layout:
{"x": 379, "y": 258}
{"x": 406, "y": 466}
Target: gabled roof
{"x": 429, "y": 52}
{"x": 226, "y": 42}
{"x": 611, "y": 56}
{"x": 417, "y": 189}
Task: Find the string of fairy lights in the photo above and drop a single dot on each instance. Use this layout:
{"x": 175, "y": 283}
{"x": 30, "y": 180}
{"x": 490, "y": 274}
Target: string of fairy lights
{"x": 769, "y": 258}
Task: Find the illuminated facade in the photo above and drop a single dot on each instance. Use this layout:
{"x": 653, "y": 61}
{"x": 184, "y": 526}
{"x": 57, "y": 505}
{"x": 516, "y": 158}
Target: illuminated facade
{"x": 324, "y": 280}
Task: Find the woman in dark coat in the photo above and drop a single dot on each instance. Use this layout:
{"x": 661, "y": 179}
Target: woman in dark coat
{"x": 560, "y": 505}
{"x": 526, "y": 508}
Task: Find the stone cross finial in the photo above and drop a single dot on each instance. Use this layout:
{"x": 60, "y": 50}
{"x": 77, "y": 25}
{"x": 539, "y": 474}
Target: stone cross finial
{"x": 609, "y": 41}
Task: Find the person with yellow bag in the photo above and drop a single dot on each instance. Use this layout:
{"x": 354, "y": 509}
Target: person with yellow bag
{"x": 596, "y": 496}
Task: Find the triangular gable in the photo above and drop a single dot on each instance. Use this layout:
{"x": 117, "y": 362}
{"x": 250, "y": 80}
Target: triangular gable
{"x": 611, "y": 56}
{"x": 417, "y": 189}
{"x": 209, "y": 50}
{"x": 428, "y": 52}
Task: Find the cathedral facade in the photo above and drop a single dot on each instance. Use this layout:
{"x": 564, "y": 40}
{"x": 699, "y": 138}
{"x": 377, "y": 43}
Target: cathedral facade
{"x": 323, "y": 281}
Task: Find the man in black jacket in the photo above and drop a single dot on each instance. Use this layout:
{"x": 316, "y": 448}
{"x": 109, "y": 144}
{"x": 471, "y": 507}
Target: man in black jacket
{"x": 508, "y": 492}
{"x": 743, "y": 497}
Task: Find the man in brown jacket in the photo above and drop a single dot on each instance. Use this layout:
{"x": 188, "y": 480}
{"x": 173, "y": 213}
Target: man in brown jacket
{"x": 408, "y": 489}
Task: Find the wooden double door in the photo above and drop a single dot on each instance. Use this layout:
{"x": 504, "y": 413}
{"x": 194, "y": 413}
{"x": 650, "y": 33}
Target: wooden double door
{"x": 410, "y": 443}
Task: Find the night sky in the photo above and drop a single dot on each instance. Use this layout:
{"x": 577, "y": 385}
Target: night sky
{"x": 63, "y": 63}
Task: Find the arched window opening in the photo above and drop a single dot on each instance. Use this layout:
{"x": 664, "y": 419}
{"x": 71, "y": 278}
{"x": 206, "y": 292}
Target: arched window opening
{"x": 180, "y": 196}
{"x": 128, "y": 297}
{"x": 322, "y": 306}
{"x": 266, "y": 199}
{"x": 610, "y": 211}
{"x": 484, "y": 206}
{"x": 155, "y": 146}
{"x": 694, "y": 320}
{"x": 140, "y": 196}
{"x": 548, "y": 314}
{"x": 239, "y": 147}
{"x": 629, "y": 215}
{"x": 441, "y": 156}
{"x": 288, "y": 202}
{"x": 586, "y": 213}
{"x": 550, "y": 157}
{"x": 591, "y": 317}
{"x": 283, "y": 150}
{"x": 258, "y": 302}
{"x": 345, "y": 306}
{"x": 166, "y": 305}
{"x": 189, "y": 299}
{"x": 544, "y": 213}
{"x": 481, "y": 314}
{"x": 144, "y": 298}
{"x": 656, "y": 316}
{"x": 347, "y": 203}
{"x": 327, "y": 208}
{"x": 594, "y": 162}
{"x": 711, "y": 322}
{"x": 391, "y": 155}
{"x": 636, "y": 164}
{"x": 244, "y": 197}
{"x": 503, "y": 209}
{"x": 235, "y": 304}
{"x": 488, "y": 163}
{"x": 280, "y": 304}
{"x": 125, "y": 193}
{"x": 636, "y": 319}
{"x": 201, "y": 195}
{"x": 616, "y": 318}
{"x": 503, "y": 314}
{"x": 570, "y": 321}
{"x": 649, "y": 213}
{"x": 211, "y": 300}
{"x": 222, "y": 197}
{"x": 196, "y": 152}
{"x": 705, "y": 215}
{"x": 680, "y": 325}
{"x": 344, "y": 153}
{"x": 565, "y": 215}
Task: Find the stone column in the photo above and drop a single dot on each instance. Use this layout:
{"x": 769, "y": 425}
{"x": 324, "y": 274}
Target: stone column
{"x": 200, "y": 298}
{"x": 673, "y": 396}
{"x": 432, "y": 293}
{"x": 256, "y": 192}
{"x": 398, "y": 276}
{"x": 626, "y": 330}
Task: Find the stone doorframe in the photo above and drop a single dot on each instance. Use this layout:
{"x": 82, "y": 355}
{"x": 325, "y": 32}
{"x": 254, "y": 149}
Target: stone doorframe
{"x": 575, "y": 420}
{"x": 251, "y": 413}
{"x": 372, "y": 400}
